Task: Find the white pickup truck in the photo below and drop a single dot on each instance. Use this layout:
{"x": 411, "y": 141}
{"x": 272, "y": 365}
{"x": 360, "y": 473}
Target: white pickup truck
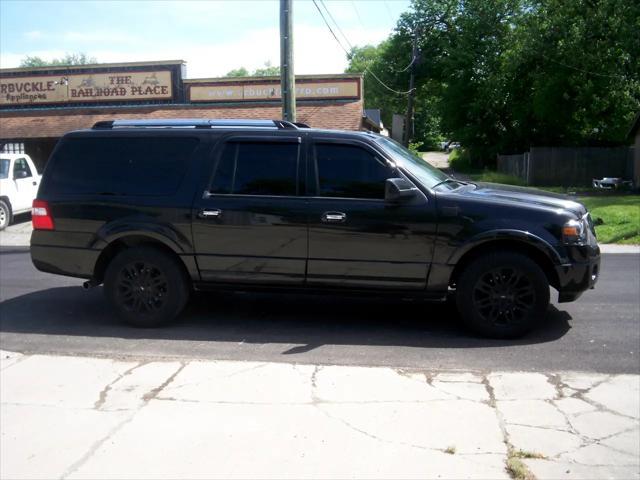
{"x": 19, "y": 181}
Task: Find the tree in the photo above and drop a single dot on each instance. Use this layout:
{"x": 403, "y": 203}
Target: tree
{"x": 68, "y": 59}
{"x": 267, "y": 71}
{"x": 237, "y": 72}
{"x": 503, "y": 75}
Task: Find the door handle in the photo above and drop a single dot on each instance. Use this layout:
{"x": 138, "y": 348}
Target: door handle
{"x": 210, "y": 213}
{"x": 334, "y": 217}
{"x": 35, "y": 183}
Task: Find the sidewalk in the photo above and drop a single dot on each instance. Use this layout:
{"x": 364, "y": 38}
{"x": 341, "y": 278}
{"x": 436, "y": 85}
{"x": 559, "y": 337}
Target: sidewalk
{"x": 77, "y": 417}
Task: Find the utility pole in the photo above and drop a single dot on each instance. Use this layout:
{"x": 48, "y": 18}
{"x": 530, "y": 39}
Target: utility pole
{"x": 287, "y": 77}
{"x": 408, "y": 123}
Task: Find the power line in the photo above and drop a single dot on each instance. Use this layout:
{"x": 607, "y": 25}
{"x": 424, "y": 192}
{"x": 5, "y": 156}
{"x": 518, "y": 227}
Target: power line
{"x": 588, "y": 72}
{"x": 331, "y": 30}
{"x": 367, "y": 68}
{"x": 357, "y": 13}
{"x": 336, "y": 24}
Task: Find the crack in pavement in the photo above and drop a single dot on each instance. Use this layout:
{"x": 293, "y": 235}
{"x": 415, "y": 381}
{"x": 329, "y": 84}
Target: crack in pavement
{"x": 102, "y": 396}
{"x": 97, "y": 444}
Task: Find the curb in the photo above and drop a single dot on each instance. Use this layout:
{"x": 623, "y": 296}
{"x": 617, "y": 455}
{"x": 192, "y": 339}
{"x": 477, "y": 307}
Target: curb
{"x": 614, "y": 248}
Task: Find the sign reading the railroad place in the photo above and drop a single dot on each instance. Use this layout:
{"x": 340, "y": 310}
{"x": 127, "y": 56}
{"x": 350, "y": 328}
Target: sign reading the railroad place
{"x": 86, "y": 87}
{"x": 271, "y": 91}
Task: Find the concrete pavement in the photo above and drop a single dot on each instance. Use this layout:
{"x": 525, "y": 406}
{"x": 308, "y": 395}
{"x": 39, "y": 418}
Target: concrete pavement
{"x": 81, "y": 417}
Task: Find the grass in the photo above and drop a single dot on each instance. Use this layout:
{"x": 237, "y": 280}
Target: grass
{"x": 620, "y": 217}
{"x": 518, "y": 470}
{"x": 617, "y": 216}
{"x": 451, "y": 450}
{"x": 491, "y": 176}
{"x": 526, "y": 454}
{"x": 516, "y": 467}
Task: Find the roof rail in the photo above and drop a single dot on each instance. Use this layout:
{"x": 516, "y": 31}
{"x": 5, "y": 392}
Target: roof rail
{"x": 194, "y": 123}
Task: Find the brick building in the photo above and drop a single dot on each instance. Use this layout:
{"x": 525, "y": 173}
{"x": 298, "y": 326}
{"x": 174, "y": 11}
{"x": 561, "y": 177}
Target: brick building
{"x": 38, "y": 105}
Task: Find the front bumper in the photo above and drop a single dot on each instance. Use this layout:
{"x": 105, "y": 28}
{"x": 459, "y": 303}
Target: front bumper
{"x": 579, "y": 275}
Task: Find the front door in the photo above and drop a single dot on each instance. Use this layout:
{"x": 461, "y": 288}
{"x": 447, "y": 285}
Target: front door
{"x": 250, "y": 225}
{"x": 356, "y": 239}
{"x": 26, "y": 185}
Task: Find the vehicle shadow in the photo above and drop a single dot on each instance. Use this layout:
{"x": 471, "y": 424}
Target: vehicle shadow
{"x": 305, "y": 320}
{"x": 21, "y": 218}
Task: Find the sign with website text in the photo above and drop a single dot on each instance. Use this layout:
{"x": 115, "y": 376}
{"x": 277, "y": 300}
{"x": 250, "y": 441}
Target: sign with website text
{"x": 317, "y": 90}
{"x": 86, "y": 87}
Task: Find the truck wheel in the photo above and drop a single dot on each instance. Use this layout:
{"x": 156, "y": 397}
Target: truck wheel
{"x": 146, "y": 287}
{"x": 5, "y": 215}
{"x": 502, "y": 295}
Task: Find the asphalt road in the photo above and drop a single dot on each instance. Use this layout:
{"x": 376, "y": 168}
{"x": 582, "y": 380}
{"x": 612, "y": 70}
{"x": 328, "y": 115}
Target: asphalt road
{"x": 41, "y": 313}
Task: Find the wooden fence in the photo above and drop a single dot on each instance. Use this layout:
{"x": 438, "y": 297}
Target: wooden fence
{"x": 568, "y": 166}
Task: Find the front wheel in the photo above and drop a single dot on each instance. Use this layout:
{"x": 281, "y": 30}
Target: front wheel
{"x": 5, "y": 215}
{"x": 502, "y": 295}
{"x": 146, "y": 287}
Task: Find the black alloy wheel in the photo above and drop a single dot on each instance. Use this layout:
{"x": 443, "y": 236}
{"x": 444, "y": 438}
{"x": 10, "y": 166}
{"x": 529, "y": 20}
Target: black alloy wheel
{"x": 146, "y": 286}
{"x": 141, "y": 288}
{"x": 502, "y": 294}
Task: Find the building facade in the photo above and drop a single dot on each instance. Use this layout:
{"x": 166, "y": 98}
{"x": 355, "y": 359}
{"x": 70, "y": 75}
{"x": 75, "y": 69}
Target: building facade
{"x": 39, "y": 105}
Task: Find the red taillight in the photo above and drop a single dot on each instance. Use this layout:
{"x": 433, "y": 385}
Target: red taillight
{"x": 41, "y": 216}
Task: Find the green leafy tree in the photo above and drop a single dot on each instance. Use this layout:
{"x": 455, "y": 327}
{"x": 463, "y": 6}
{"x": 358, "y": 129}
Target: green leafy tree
{"x": 267, "y": 71}
{"x": 503, "y": 75}
{"x": 237, "y": 72}
{"x": 68, "y": 59}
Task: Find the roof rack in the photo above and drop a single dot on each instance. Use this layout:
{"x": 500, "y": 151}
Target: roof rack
{"x": 195, "y": 123}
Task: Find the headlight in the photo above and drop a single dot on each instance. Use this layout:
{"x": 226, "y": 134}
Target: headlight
{"x": 574, "y": 232}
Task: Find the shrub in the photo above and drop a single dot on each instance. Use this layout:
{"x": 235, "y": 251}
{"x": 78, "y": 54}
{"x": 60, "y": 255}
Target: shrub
{"x": 460, "y": 161}
{"x": 414, "y": 147}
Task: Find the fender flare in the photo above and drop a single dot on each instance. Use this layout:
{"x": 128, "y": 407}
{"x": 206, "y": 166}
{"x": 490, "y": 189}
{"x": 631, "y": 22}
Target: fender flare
{"x": 163, "y": 234}
{"x": 524, "y": 237}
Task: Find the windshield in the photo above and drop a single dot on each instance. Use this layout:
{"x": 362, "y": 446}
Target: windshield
{"x": 4, "y": 167}
{"x": 427, "y": 174}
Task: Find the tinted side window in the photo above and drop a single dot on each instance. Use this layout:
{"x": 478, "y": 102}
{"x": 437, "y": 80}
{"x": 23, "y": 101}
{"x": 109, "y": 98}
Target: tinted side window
{"x": 349, "y": 171}
{"x": 121, "y": 165}
{"x": 21, "y": 165}
{"x": 257, "y": 168}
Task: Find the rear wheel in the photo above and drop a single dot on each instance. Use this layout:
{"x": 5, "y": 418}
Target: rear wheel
{"x": 5, "y": 214}
{"x": 502, "y": 295}
{"x": 146, "y": 287}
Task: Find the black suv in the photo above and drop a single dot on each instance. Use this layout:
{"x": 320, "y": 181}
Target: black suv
{"x": 157, "y": 208}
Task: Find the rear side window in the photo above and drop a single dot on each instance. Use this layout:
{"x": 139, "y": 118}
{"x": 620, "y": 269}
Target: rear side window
{"x": 350, "y": 172}
{"x": 121, "y": 165}
{"x": 257, "y": 168}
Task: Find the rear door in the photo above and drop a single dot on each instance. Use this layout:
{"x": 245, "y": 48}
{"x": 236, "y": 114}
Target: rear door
{"x": 356, "y": 239}
{"x": 250, "y": 225}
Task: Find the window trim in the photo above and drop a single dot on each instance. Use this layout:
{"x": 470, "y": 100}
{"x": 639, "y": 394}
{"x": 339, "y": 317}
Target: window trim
{"x": 220, "y": 146}
{"x": 313, "y": 170}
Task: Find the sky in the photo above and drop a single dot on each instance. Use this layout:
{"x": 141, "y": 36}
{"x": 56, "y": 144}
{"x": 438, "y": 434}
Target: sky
{"x": 212, "y": 36}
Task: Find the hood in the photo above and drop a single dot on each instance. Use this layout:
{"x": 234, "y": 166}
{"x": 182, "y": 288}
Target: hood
{"x": 525, "y": 196}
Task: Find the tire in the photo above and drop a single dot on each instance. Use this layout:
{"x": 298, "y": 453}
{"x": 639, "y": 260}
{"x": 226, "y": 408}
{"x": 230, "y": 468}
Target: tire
{"x": 146, "y": 287}
{"x": 502, "y": 295}
{"x": 5, "y": 214}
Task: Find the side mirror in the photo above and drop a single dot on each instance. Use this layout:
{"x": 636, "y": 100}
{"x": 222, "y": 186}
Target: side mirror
{"x": 20, "y": 174}
{"x": 398, "y": 190}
